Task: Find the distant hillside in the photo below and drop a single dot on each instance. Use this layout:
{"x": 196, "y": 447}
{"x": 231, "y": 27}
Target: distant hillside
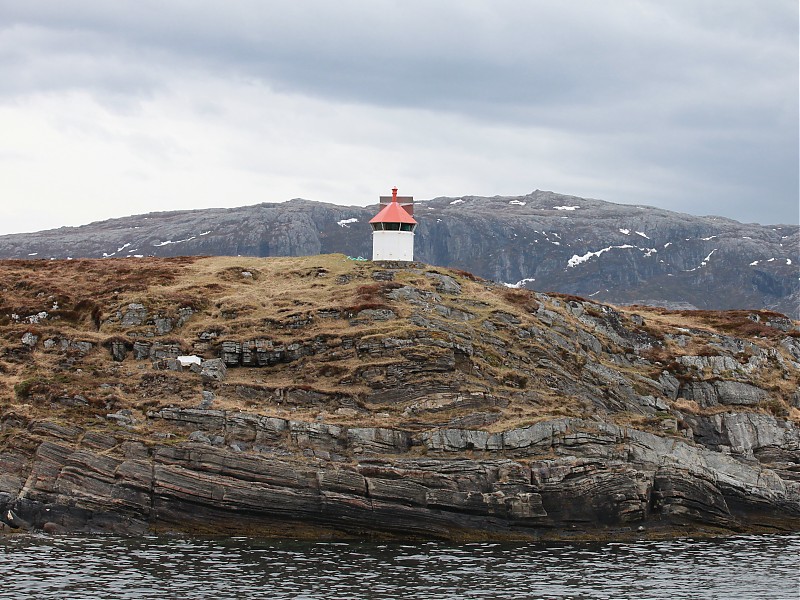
{"x": 545, "y": 241}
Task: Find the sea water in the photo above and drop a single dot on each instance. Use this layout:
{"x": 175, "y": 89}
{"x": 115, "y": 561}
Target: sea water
{"x": 77, "y": 567}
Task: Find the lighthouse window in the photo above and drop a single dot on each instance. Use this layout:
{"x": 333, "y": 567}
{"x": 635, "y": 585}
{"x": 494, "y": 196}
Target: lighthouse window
{"x": 392, "y": 226}
{"x": 406, "y": 227}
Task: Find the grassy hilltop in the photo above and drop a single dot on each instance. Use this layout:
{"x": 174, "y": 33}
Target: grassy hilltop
{"x": 475, "y": 339}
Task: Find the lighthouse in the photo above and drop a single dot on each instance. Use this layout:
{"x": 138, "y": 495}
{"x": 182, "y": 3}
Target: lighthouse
{"x": 393, "y": 229}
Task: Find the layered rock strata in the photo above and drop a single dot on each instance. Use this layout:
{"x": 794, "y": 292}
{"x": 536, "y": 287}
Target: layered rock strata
{"x": 247, "y": 473}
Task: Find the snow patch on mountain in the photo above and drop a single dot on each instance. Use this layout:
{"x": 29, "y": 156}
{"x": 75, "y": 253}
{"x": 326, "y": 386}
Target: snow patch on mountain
{"x": 189, "y": 239}
{"x": 707, "y": 258}
{"x": 520, "y": 283}
{"x": 704, "y": 262}
{"x": 576, "y": 260}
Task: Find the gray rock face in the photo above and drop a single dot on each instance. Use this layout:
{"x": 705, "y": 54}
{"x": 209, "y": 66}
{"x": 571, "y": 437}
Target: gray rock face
{"x": 213, "y": 370}
{"x": 119, "y": 350}
{"x": 207, "y": 399}
{"x": 445, "y": 284}
{"x": 708, "y": 394}
{"x": 717, "y": 364}
{"x": 745, "y": 433}
{"x": 122, "y": 417}
{"x": 379, "y": 440}
{"x": 262, "y": 352}
{"x": 600, "y": 477}
{"x": 615, "y": 253}
{"x": 29, "y": 339}
{"x": 135, "y": 314}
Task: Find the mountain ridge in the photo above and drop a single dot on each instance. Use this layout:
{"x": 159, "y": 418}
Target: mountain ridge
{"x": 623, "y": 254}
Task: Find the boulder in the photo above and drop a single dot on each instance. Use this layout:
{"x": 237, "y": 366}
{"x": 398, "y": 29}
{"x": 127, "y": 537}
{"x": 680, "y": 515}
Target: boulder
{"x": 213, "y": 370}
{"x": 119, "y": 350}
{"x": 445, "y": 284}
{"x": 133, "y": 315}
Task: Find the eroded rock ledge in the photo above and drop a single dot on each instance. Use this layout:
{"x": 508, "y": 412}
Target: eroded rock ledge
{"x": 252, "y": 474}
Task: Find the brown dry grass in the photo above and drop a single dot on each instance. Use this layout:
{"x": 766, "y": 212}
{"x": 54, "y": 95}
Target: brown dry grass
{"x": 736, "y": 323}
{"x": 269, "y": 303}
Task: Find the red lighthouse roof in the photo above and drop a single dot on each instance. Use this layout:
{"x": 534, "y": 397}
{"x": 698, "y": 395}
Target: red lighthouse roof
{"x": 393, "y": 213}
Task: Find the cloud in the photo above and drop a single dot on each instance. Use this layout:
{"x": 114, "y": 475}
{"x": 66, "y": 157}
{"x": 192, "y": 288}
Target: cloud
{"x": 689, "y": 106}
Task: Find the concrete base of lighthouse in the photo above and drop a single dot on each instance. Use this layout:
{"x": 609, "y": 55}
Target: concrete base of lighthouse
{"x": 393, "y": 245}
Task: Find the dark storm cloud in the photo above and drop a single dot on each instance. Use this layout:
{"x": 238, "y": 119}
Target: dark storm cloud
{"x": 496, "y": 59}
{"x": 704, "y": 90}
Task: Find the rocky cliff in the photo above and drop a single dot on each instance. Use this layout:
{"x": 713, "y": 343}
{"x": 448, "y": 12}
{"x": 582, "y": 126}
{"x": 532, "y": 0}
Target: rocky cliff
{"x": 545, "y": 241}
{"x": 327, "y": 397}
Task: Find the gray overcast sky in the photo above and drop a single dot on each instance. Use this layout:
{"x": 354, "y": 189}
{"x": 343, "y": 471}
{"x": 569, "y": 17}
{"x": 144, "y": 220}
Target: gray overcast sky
{"x": 115, "y": 108}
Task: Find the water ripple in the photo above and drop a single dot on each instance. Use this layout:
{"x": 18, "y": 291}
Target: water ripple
{"x": 743, "y": 567}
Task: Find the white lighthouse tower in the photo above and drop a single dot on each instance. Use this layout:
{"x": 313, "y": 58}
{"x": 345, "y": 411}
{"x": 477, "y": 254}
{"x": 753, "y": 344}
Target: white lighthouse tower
{"x": 393, "y": 229}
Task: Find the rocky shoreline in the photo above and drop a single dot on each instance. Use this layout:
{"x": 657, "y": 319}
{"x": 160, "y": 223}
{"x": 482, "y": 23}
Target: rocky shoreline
{"x": 327, "y": 398}
{"x": 249, "y": 474}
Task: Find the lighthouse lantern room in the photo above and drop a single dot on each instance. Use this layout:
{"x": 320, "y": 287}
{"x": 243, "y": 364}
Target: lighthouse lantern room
{"x": 393, "y": 229}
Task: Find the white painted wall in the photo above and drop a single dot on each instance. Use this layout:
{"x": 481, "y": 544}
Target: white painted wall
{"x": 393, "y": 245}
